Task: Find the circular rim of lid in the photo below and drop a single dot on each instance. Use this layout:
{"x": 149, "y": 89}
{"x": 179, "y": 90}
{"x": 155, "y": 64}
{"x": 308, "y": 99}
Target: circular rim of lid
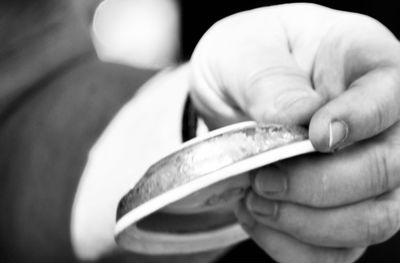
{"x": 155, "y": 243}
{"x": 128, "y": 221}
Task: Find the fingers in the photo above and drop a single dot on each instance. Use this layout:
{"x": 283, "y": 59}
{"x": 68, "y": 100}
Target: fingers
{"x": 356, "y": 173}
{"x": 279, "y": 93}
{"x": 367, "y": 108}
{"x": 358, "y": 225}
{"x": 239, "y": 72}
{"x": 284, "y": 248}
{"x": 357, "y": 70}
{"x": 263, "y": 65}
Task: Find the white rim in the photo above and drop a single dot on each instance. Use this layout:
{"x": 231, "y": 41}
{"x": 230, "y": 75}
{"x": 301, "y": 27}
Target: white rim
{"x": 156, "y": 243}
{"x": 182, "y": 191}
{"x": 229, "y": 128}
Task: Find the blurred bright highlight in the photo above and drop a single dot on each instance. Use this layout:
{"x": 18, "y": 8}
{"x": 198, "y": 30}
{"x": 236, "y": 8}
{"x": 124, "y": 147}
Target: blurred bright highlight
{"x": 141, "y": 33}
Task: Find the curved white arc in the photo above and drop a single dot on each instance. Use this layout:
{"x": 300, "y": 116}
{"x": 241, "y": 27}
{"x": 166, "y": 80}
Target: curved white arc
{"x": 177, "y": 193}
{"x": 117, "y": 161}
{"x": 161, "y": 244}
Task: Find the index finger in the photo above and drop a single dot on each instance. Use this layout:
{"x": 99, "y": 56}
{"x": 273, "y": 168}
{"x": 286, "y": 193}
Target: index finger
{"x": 358, "y": 70}
{"x": 356, "y": 173}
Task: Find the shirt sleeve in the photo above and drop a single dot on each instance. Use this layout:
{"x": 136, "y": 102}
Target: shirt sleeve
{"x": 147, "y": 128}
{"x": 44, "y": 145}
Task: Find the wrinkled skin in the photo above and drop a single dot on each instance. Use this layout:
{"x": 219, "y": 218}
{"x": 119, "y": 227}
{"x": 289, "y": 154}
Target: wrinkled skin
{"x": 337, "y": 72}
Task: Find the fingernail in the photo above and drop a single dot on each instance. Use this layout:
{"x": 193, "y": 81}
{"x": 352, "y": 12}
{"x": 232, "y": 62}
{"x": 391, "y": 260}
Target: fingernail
{"x": 271, "y": 183}
{"x": 338, "y": 131}
{"x": 261, "y": 206}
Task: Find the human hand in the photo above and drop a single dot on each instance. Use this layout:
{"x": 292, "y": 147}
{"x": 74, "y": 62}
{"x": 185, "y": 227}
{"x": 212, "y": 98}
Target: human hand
{"x": 338, "y": 72}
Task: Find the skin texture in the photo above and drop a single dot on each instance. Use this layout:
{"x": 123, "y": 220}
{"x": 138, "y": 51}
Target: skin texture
{"x": 337, "y": 72}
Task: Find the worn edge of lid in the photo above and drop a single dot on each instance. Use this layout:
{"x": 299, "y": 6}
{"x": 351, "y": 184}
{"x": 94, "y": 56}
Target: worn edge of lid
{"x": 168, "y": 197}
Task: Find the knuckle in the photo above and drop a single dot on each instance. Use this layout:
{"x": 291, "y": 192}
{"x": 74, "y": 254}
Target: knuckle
{"x": 268, "y": 75}
{"x": 381, "y": 117}
{"x": 384, "y": 109}
{"x": 378, "y": 116}
{"x": 319, "y": 196}
{"x": 380, "y": 179}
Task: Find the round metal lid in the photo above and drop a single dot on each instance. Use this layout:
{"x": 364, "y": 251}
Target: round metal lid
{"x": 184, "y": 202}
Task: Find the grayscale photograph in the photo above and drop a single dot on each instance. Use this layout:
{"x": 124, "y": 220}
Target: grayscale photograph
{"x": 177, "y": 131}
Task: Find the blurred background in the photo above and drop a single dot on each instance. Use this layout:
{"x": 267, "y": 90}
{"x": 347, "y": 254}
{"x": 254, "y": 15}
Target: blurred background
{"x": 142, "y": 33}
{"x": 158, "y": 33}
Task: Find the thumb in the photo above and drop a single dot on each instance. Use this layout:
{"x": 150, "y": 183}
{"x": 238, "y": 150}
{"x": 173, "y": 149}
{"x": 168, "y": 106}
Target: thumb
{"x": 254, "y": 75}
{"x": 280, "y": 93}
